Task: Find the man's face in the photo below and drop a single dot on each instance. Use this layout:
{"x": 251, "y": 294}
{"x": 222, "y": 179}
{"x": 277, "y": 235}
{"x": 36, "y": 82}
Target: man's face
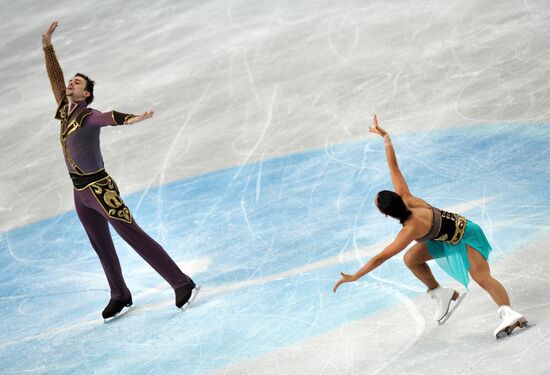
{"x": 76, "y": 89}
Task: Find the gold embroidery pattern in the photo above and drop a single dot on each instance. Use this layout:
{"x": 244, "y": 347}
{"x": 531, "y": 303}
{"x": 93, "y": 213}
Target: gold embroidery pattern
{"x": 460, "y": 227}
{"x": 61, "y": 113}
{"x": 55, "y": 74}
{"x": 66, "y": 130}
{"x": 107, "y": 194}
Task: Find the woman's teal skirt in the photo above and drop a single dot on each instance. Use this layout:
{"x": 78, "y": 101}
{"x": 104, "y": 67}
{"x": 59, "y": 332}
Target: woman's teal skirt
{"x": 454, "y": 258}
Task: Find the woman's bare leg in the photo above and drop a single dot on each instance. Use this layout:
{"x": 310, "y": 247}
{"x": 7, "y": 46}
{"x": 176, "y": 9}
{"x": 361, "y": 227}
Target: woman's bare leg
{"x": 480, "y": 272}
{"x": 415, "y": 259}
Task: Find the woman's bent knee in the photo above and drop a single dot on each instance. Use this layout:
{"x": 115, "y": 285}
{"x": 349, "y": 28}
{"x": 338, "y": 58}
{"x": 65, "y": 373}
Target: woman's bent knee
{"x": 413, "y": 259}
{"x": 416, "y": 255}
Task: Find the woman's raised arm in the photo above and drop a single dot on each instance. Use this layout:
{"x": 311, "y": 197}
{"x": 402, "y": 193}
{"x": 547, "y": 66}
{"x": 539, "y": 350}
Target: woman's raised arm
{"x": 399, "y": 183}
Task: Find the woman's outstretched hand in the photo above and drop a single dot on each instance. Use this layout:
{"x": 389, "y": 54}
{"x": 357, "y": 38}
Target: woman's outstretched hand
{"x": 345, "y": 279}
{"x": 376, "y": 129}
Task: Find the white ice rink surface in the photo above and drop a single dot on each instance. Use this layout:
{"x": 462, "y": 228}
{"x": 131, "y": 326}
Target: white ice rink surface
{"x": 257, "y": 174}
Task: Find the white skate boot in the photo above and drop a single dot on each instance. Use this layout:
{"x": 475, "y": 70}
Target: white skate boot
{"x": 510, "y": 320}
{"x": 442, "y": 298}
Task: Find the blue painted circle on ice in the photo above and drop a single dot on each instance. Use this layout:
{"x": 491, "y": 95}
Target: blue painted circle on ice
{"x": 260, "y": 226}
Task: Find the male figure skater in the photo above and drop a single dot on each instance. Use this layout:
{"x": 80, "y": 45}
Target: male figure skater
{"x": 96, "y": 195}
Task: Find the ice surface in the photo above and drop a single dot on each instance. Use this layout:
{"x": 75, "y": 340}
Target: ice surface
{"x": 257, "y": 174}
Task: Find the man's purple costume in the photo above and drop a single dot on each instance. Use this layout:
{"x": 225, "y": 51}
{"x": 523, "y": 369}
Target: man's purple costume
{"x": 96, "y": 195}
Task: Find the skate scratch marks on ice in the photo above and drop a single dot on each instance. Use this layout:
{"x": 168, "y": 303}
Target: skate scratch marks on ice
{"x": 348, "y": 256}
{"x": 264, "y": 131}
{"x": 420, "y": 326}
{"x": 84, "y": 323}
{"x": 167, "y": 159}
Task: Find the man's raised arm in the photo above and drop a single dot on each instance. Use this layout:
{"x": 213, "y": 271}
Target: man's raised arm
{"x": 55, "y": 73}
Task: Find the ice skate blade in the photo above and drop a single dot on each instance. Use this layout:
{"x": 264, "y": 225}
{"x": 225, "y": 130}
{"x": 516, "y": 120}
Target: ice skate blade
{"x": 121, "y": 314}
{"x": 507, "y": 332}
{"x": 194, "y": 293}
{"x": 451, "y": 310}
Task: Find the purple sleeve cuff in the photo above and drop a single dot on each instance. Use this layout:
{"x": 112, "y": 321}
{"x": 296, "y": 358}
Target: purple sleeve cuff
{"x": 120, "y": 118}
{"x": 99, "y": 119}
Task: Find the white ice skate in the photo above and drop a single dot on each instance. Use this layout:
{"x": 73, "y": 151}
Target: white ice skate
{"x": 510, "y": 320}
{"x": 442, "y": 298}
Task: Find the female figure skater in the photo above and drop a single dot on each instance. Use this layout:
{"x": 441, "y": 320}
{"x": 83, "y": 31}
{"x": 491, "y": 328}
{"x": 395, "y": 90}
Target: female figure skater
{"x": 456, "y": 243}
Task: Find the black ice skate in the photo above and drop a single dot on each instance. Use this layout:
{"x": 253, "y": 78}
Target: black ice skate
{"x": 186, "y": 294}
{"x": 114, "y": 308}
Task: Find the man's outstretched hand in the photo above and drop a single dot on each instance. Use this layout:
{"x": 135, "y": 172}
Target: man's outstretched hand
{"x": 138, "y": 118}
{"x": 47, "y": 36}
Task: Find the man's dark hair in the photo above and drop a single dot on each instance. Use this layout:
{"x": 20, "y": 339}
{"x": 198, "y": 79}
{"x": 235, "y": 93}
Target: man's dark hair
{"x": 392, "y": 204}
{"x": 89, "y": 87}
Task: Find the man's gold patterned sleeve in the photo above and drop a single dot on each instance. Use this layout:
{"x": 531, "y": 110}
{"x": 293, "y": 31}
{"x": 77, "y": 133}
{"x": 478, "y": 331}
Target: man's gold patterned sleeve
{"x": 55, "y": 74}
